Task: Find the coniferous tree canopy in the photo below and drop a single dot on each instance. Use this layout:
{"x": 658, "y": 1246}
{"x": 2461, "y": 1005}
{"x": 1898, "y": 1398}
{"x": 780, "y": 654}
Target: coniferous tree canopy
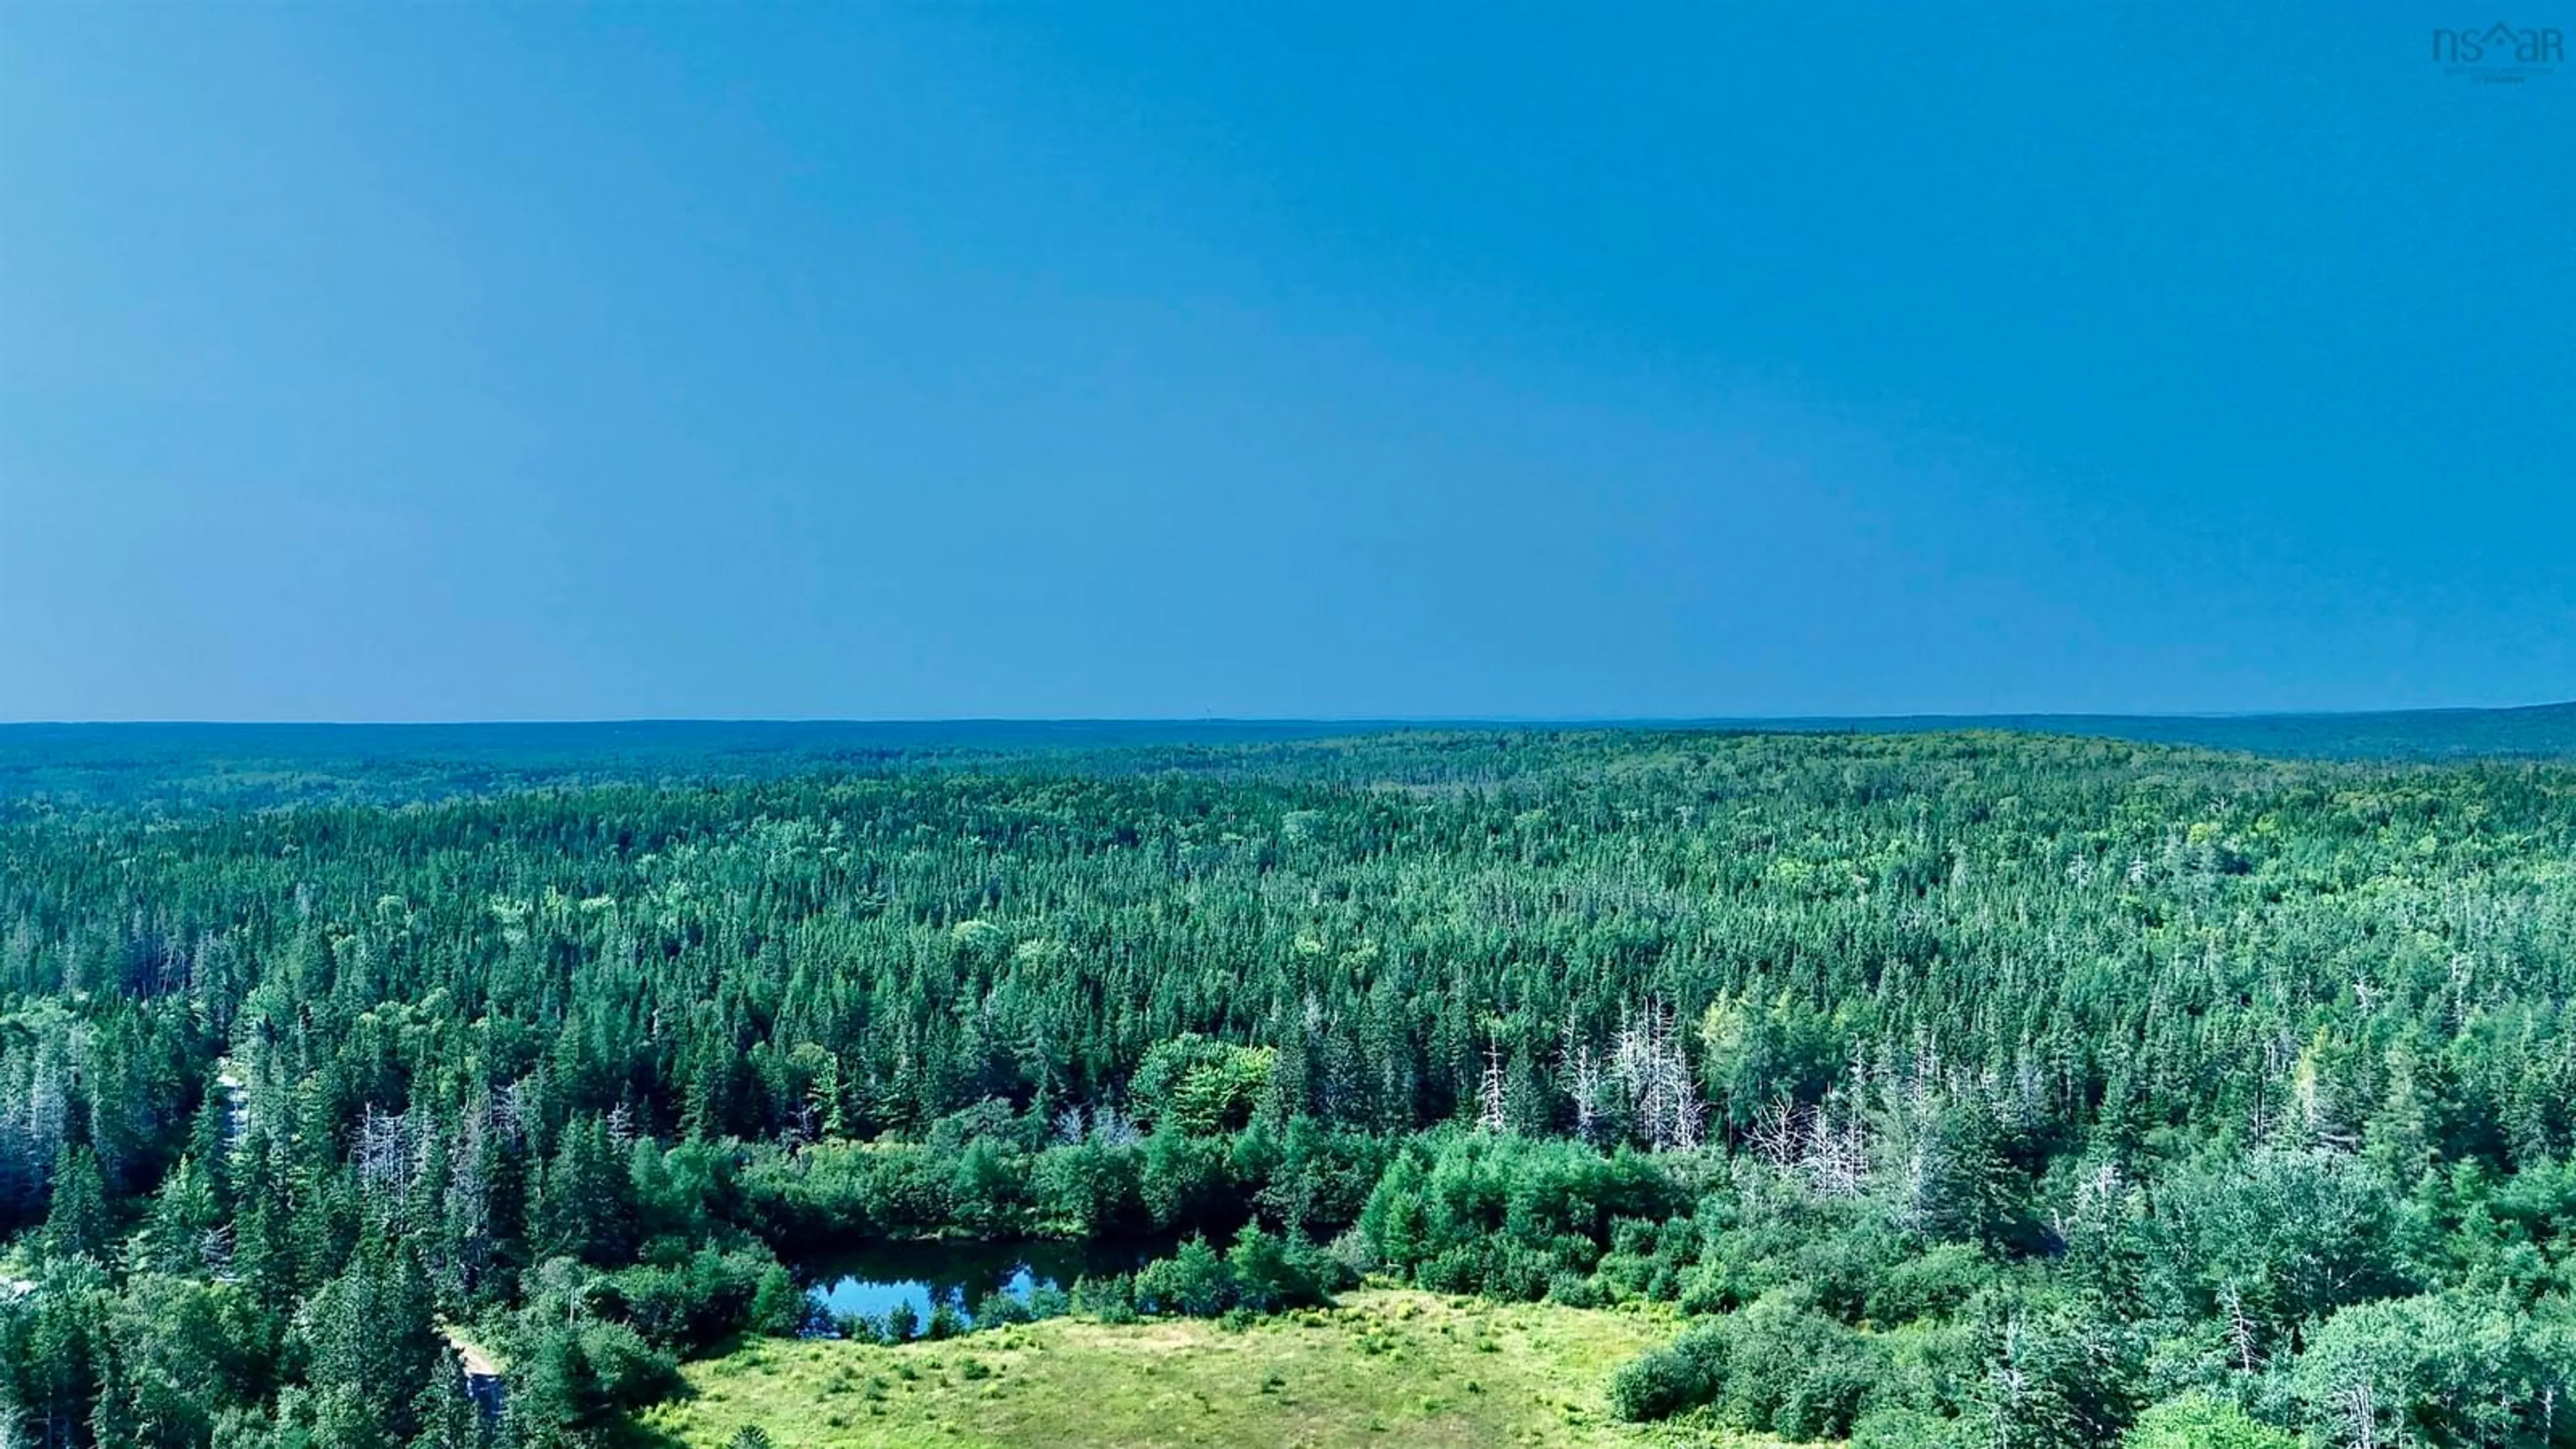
{"x": 1969, "y": 1089}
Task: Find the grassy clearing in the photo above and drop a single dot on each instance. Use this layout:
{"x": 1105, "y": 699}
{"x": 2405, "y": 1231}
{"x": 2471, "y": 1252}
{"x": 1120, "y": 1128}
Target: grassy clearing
{"x": 1388, "y": 1367}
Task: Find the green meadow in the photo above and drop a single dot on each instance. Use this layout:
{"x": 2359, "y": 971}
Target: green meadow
{"x": 1386, "y": 1367}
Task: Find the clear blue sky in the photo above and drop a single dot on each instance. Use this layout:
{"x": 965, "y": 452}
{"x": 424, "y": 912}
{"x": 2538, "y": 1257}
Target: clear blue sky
{"x": 449, "y": 362}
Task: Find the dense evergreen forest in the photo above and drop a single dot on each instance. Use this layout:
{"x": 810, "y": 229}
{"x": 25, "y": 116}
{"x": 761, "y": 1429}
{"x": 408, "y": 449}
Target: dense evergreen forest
{"x": 1962, "y": 1089}
{"x": 250, "y": 766}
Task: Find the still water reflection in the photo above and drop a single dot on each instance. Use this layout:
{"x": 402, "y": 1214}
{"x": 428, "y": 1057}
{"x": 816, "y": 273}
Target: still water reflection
{"x": 873, "y": 1279}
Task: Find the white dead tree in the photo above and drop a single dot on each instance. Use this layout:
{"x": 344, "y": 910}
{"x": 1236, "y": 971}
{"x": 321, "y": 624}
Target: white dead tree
{"x": 2011, "y": 1386}
{"x": 1836, "y": 1160}
{"x": 383, "y": 1154}
{"x": 1587, "y": 1095}
{"x": 1493, "y": 1093}
{"x": 1113, "y": 1128}
{"x": 1778, "y": 1135}
{"x": 1582, "y": 1077}
{"x": 1650, "y": 1067}
{"x": 2360, "y": 1406}
{"x": 2240, "y": 1326}
{"x": 1827, "y": 1146}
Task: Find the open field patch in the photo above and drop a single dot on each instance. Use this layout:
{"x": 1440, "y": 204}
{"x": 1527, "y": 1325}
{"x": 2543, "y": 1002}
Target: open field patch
{"x": 1387, "y": 1367}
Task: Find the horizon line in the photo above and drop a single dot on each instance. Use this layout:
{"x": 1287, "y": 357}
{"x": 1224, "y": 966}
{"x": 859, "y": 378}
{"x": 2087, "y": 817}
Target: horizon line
{"x": 1424, "y": 720}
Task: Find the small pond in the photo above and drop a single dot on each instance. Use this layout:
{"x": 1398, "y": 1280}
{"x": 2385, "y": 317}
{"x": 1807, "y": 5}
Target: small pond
{"x": 871, "y": 1280}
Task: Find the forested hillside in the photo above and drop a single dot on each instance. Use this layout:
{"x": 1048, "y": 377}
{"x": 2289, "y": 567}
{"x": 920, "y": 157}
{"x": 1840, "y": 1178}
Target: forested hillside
{"x": 1966, "y": 1089}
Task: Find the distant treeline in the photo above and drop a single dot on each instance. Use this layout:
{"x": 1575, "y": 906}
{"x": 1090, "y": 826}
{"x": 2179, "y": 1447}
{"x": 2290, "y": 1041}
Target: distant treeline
{"x": 1977, "y": 1089}
{"x": 253, "y": 766}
